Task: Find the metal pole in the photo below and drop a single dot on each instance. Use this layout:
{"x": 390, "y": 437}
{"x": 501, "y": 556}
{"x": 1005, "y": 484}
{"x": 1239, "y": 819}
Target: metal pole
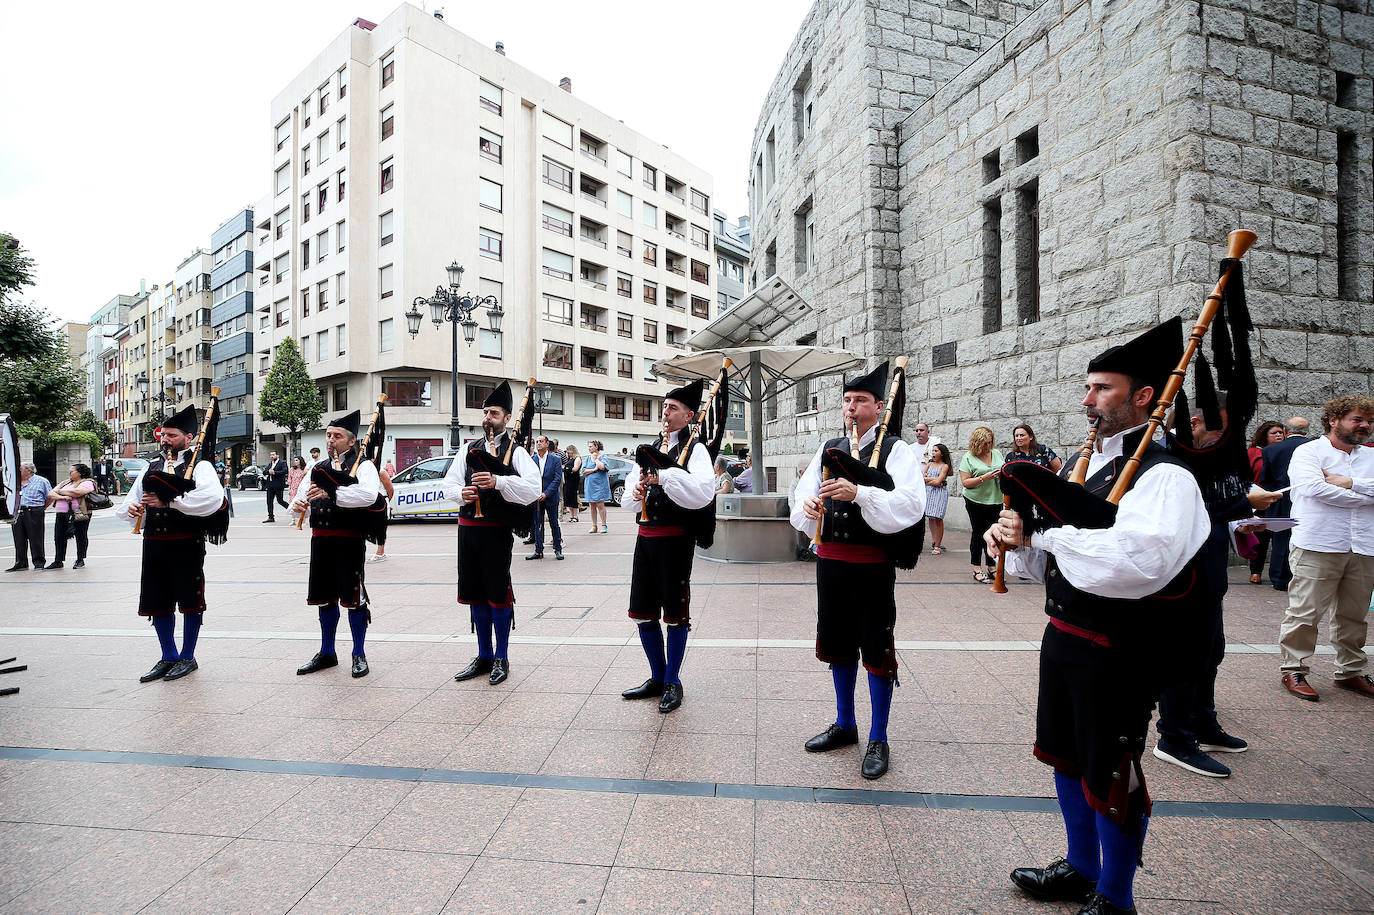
{"x": 455, "y": 435}
{"x": 756, "y": 422}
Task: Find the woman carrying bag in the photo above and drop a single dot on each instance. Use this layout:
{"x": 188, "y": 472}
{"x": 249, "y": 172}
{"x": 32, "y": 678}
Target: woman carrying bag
{"x": 597, "y": 482}
{"x": 73, "y": 518}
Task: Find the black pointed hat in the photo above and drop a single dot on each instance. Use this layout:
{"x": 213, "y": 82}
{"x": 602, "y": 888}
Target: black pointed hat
{"x": 1148, "y": 358}
{"x": 500, "y": 397}
{"x": 348, "y": 423}
{"x": 184, "y": 420}
{"x": 689, "y": 395}
{"x": 875, "y": 383}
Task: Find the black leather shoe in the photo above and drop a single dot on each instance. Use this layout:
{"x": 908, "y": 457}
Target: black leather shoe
{"x": 557, "y": 554}
{"x": 832, "y": 738}
{"x": 269, "y": 521}
{"x": 360, "y": 667}
{"x": 672, "y": 697}
{"x": 535, "y": 556}
{"x": 649, "y": 689}
{"x": 320, "y": 661}
{"x": 159, "y": 671}
{"x": 17, "y": 567}
{"x": 1059, "y": 882}
{"x": 182, "y": 668}
{"x": 79, "y": 564}
{"x": 1101, "y": 905}
{"x": 875, "y": 760}
{"x": 475, "y": 668}
{"x": 52, "y": 565}
{"x": 500, "y": 669}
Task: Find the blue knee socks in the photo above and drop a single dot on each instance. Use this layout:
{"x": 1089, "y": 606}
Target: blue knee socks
{"x": 357, "y": 621}
{"x": 677, "y": 650}
{"x": 651, "y": 637}
{"x": 190, "y": 632}
{"x": 329, "y": 624}
{"x": 1120, "y": 855}
{"x": 501, "y": 620}
{"x": 165, "y": 625}
{"x": 880, "y": 695}
{"x": 481, "y": 622}
{"x": 1081, "y": 825}
{"x": 845, "y": 676}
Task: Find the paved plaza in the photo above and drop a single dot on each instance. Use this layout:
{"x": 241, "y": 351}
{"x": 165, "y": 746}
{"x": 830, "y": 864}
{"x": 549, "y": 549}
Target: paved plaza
{"x": 245, "y": 788}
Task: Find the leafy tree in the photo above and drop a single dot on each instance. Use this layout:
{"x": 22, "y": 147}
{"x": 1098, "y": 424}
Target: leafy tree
{"x": 38, "y": 383}
{"x": 89, "y": 422}
{"x": 289, "y": 397}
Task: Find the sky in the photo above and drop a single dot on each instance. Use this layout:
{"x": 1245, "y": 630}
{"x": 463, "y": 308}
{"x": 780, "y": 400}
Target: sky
{"x": 132, "y": 131}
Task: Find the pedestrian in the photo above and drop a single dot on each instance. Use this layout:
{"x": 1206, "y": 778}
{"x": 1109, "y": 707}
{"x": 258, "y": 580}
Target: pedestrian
{"x": 744, "y": 476}
{"x": 1274, "y": 478}
{"x": 389, "y": 469}
{"x": 925, "y": 443}
{"x": 1267, "y": 433}
{"x": 72, "y": 517}
{"x": 226, "y": 478}
{"x": 174, "y": 528}
{"x": 294, "y": 477}
{"x": 547, "y": 503}
{"x": 856, "y": 574}
{"x": 1027, "y": 448}
{"x": 121, "y": 477}
{"x": 384, "y": 478}
{"x": 1109, "y": 626}
{"x": 597, "y": 483}
{"x": 678, "y": 495}
{"x": 340, "y": 522}
{"x": 724, "y": 483}
{"x": 101, "y": 473}
{"x": 572, "y": 480}
{"x": 30, "y": 525}
{"x": 805, "y": 550}
{"x": 1333, "y": 548}
{"x": 485, "y": 543}
{"x": 937, "y": 473}
{"x": 276, "y": 473}
{"x": 314, "y": 456}
{"x": 982, "y": 494}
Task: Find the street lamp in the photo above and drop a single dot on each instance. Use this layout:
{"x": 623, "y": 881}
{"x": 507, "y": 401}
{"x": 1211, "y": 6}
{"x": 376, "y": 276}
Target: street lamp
{"x": 169, "y": 383}
{"x": 456, "y": 307}
{"x": 543, "y": 396}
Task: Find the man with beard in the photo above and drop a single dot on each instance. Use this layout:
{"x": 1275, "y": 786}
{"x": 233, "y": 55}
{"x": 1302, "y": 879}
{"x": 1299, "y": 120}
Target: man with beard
{"x": 1113, "y": 595}
{"x": 485, "y": 541}
{"x": 1332, "y": 552}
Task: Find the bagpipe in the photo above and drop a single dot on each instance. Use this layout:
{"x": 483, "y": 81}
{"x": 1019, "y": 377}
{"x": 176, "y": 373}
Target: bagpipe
{"x": 1044, "y": 499}
{"x": 651, "y": 459}
{"x": 515, "y": 516}
{"x": 169, "y": 486}
{"x": 838, "y": 463}
{"x": 329, "y": 478}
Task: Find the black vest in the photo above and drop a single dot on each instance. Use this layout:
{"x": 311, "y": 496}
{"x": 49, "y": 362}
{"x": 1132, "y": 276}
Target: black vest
{"x": 1130, "y": 624}
{"x": 171, "y": 522}
{"x": 326, "y": 515}
{"x": 495, "y": 508}
{"x": 663, "y": 511}
{"x": 844, "y": 521}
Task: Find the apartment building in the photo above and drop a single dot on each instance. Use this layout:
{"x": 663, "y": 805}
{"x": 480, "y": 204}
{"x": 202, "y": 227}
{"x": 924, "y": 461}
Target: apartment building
{"x": 191, "y": 326}
{"x": 97, "y": 336}
{"x": 232, "y": 318}
{"x": 405, "y": 146}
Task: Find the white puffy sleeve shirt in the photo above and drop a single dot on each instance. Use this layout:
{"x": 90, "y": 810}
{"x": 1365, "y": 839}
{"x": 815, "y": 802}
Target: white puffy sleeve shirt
{"x": 886, "y": 511}
{"x": 691, "y": 487}
{"x": 201, "y": 502}
{"x": 521, "y": 487}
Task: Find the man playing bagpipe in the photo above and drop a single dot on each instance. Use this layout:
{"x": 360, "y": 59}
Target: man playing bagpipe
{"x": 1121, "y": 584}
{"x": 176, "y": 515}
{"x": 345, "y": 512}
{"x": 870, "y": 514}
{"x": 495, "y": 480}
{"x": 675, "y": 500}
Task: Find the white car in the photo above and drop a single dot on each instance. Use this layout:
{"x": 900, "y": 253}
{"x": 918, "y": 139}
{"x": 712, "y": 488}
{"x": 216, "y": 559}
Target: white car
{"x": 420, "y": 491}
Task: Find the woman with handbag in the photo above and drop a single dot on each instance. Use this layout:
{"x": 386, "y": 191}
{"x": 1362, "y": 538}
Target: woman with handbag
{"x": 73, "y": 517}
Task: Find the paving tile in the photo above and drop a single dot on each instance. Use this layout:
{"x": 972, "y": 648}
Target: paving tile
{"x": 317, "y": 739}
{"x": 455, "y": 706}
{"x": 331, "y": 811}
{"x": 97, "y": 794}
{"x": 494, "y": 748}
{"x": 500, "y": 886}
{"x": 822, "y": 841}
{"x": 630, "y": 890}
{"x": 608, "y": 711}
{"x": 690, "y": 833}
{"x": 1349, "y": 847}
{"x": 228, "y": 804}
{"x": 957, "y": 848}
{"x": 702, "y": 758}
{"x": 32, "y": 852}
{"x": 386, "y": 881}
{"x": 569, "y": 827}
{"x": 537, "y": 710}
{"x": 419, "y": 744}
{"x": 567, "y": 680}
{"x": 444, "y": 818}
{"x": 250, "y": 876}
{"x": 1002, "y": 899}
{"x": 787, "y": 895}
{"x": 602, "y": 754}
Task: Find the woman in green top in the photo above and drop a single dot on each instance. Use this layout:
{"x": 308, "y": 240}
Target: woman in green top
{"x": 982, "y": 494}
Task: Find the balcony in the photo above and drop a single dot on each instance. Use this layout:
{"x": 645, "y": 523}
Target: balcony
{"x": 236, "y": 426}
{"x": 592, "y": 190}
{"x": 592, "y": 148}
{"x": 231, "y": 347}
{"x": 236, "y": 385}
{"x": 674, "y": 188}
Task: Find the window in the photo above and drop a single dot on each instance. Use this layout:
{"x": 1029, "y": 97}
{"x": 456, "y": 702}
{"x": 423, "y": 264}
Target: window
{"x": 557, "y": 355}
{"x": 701, "y": 238}
{"x": 341, "y": 287}
{"x": 322, "y": 147}
{"x": 701, "y": 308}
{"x": 557, "y": 264}
{"x": 488, "y": 343}
{"x": 615, "y": 407}
{"x": 384, "y": 282}
{"x": 558, "y": 220}
{"x": 322, "y": 350}
{"x": 305, "y": 155}
{"x": 388, "y": 175}
{"x": 489, "y": 144}
{"x": 556, "y": 175}
{"x": 341, "y": 335}
{"x": 305, "y": 253}
{"x": 624, "y": 163}
{"x": 322, "y": 295}
{"x": 340, "y": 234}
{"x": 305, "y": 302}
{"x": 650, "y": 215}
{"x": 341, "y": 396}
{"x": 324, "y": 98}
{"x": 343, "y": 82}
{"x": 651, "y": 254}
{"x": 643, "y": 409}
{"x": 388, "y": 70}
{"x": 650, "y": 176}
{"x": 558, "y": 310}
{"x": 321, "y": 246}
{"x": 341, "y": 133}
{"x": 584, "y": 403}
{"x": 489, "y": 196}
{"x": 624, "y": 324}
{"x": 305, "y": 349}
{"x": 625, "y": 204}
{"x": 284, "y": 179}
{"x": 475, "y": 395}
{"x": 557, "y": 131}
{"x": 650, "y": 293}
{"x": 625, "y": 365}
{"x": 624, "y": 243}
{"x": 701, "y": 272}
{"x": 700, "y": 202}
{"x": 650, "y": 331}
{"x": 341, "y": 185}
{"x": 283, "y": 134}
{"x": 282, "y": 220}
{"x": 388, "y": 121}
{"x": 305, "y": 208}
{"x": 387, "y": 222}
{"x": 623, "y": 284}
{"x": 406, "y": 392}
{"x": 489, "y": 96}
{"x": 489, "y": 243}
{"x": 282, "y": 265}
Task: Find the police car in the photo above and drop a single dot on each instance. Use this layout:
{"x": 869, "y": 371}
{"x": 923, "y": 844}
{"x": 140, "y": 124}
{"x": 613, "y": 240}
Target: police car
{"x": 420, "y": 491}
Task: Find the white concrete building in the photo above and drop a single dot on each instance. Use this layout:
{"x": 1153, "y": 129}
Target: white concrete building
{"x": 404, "y": 146}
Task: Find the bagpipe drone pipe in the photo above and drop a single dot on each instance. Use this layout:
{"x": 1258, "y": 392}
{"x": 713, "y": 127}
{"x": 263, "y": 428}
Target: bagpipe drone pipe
{"x": 169, "y": 484}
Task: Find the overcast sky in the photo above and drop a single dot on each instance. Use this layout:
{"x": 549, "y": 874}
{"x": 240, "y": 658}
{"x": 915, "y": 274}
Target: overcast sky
{"x": 133, "y": 130}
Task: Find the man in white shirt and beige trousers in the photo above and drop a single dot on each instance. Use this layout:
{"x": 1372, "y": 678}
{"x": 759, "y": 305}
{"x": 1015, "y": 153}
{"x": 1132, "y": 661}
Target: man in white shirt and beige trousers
{"x": 1332, "y": 550}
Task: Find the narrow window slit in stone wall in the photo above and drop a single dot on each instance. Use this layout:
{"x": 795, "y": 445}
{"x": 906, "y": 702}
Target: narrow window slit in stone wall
{"x": 1347, "y": 221}
{"x": 1028, "y": 253}
{"x": 992, "y": 266}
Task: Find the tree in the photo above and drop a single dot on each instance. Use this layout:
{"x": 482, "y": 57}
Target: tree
{"x": 89, "y": 422}
{"x": 38, "y": 383}
{"x": 289, "y": 398}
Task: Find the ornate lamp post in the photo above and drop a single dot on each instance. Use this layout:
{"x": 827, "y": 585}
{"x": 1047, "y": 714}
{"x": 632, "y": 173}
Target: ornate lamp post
{"x": 455, "y": 307}
{"x": 169, "y": 383}
{"x": 543, "y": 396}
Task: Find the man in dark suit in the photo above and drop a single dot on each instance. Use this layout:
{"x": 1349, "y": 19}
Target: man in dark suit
{"x": 276, "y": 486}
{"x": 548, "y": 503}
{"x": 1273, "y": 477}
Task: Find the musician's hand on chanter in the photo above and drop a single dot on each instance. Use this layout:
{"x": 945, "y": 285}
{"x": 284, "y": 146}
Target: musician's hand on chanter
{"x": 469, "y": 493}
{"x": 813, "y": 508}
{"x": 314, "y": 494}
{"x": 839, "y": 489}
{"x": 152, "y": 500}
{"x": 1008, "y": 530}
{"x": 483, "y": 480}
{"x": 1261, "y": 499}
{"x": 135, "y": 510}
{"x": 650, "y": 478}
